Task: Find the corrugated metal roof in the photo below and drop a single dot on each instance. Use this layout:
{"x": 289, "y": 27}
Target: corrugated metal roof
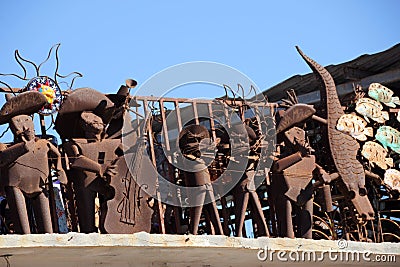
{"x": 351, "y": 71}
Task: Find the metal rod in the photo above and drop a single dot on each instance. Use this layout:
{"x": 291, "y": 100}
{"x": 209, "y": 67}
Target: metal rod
{"x": 8, "y": 90}
{"x": 153, "y": 160}
{"x": 178, "y": 115}
{"x": 212, "y": 123}
{"x": 196, "y": 114}
{"x": 319, "y": 119}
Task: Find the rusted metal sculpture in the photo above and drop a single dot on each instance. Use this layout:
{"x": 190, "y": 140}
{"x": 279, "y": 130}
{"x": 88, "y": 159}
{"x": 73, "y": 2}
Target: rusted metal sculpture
{"x": 26, "y": 164}
{"x": 80, "y": 123}
{"x": 129, "y": 211}
{"x": 96, "y": 163}
{"x": 122, "y": 102}
{"x": 244, "y": 193}
{"x": 291, "y": 190}
{"x": 68, "y": 125}
{"x": 92, "y": 167}
{"x": 189, "y": 141}
{"x": 343, "y": 147}
{"x": 355, "y": 126}
{"x": 321, "y": 184}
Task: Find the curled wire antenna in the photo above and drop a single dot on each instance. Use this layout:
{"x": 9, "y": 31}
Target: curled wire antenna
{"x": 56, "y": 74}
{"x": 358, "y": 91}
{"x": 226, "y": 88}
{"x": 252, "y": 90}
{"x": 240, "y": 87}
{"x": 20, "y": 60}
{"x": 18, "y": 57}
{"x": 241, "y": 95}
{"x": 48, "y": 56}
{"x": 57, "y": 65}
{"x": 291, "y": 100}
{"x": 77, "y": 75}
{"x": 9, "y": 87}
{"x": 256, "y": 97}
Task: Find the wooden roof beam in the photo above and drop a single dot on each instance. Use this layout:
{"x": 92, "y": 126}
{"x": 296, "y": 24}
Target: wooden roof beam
{"x": 388, "y": 77}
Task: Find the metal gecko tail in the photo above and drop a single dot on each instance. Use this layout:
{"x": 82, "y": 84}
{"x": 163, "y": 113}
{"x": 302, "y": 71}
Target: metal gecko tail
{"x": 328, "y": 92}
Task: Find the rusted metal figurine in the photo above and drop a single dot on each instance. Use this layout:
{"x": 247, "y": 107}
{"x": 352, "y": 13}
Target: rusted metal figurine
{"x": 244, "y": 193}
{"x": 189, "y": 142}
{"x": 92, "y": 167}
{"x": 25, "y": 164}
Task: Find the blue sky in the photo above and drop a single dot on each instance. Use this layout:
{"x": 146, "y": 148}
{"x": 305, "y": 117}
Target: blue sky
{"x": 109, "y": 41}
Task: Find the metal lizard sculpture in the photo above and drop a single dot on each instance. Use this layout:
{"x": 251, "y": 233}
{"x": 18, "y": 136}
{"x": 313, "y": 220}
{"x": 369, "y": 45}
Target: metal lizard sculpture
{"x": 343, "y": 147}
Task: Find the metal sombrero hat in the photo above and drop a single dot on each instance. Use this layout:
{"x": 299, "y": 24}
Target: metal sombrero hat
{"x": 25, "y": 103}
{"x": 79, "y": 100}
{"x": 293, "y": 115}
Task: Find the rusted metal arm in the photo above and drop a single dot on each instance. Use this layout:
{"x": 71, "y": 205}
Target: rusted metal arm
{"x": 81, "y": 162}
{"x": 323, "y": 184}
{"x": 9, "y": 90}
{"x": 319, "y": 119}
{"x": 326, "y": 178}
{"x": 288, "y": 161}
{"x": 373, "y": 176}
{"x": 53, "y": 151}
{"x": 11, "y": 153}
{"x": 84, "y": 163}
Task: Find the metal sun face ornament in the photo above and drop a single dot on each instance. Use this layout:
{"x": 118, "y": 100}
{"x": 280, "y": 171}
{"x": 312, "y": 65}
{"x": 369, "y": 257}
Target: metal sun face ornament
{"x": 50, "y": 89}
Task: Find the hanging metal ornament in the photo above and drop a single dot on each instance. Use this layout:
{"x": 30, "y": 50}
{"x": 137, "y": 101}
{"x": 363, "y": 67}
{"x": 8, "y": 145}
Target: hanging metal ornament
{"x": 50, "y": 89}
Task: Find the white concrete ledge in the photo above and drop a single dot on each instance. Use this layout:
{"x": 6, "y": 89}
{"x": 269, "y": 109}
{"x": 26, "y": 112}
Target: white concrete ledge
{"x": 142, "y": 249}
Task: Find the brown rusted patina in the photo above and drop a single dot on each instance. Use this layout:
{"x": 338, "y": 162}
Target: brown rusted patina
{"x": 77, "y": 101}
{"x": 26, "y": 165}
{"x": 92, "y": 167}
{"x": 291, "y": 189}
{"x": 189, "y": 142}
{"x": 24, "y": 103}
{"x": 244, "y": 193}
{"x": 343, "y": 147}
{"x": 316, "y": 187}
{"x": 97, "y": 167}
{"x": 131, "y": 208}
{"x": 293, "y": 115}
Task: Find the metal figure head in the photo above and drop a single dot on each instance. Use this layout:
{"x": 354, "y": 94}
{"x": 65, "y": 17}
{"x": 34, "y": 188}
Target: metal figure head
{"x": 92, "y": 124}
{"x": 190, "y": 138}
{"x": 22, "y": 126}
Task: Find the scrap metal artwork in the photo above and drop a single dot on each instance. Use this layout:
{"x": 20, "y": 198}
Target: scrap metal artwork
{"x": 329, "y": 178}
